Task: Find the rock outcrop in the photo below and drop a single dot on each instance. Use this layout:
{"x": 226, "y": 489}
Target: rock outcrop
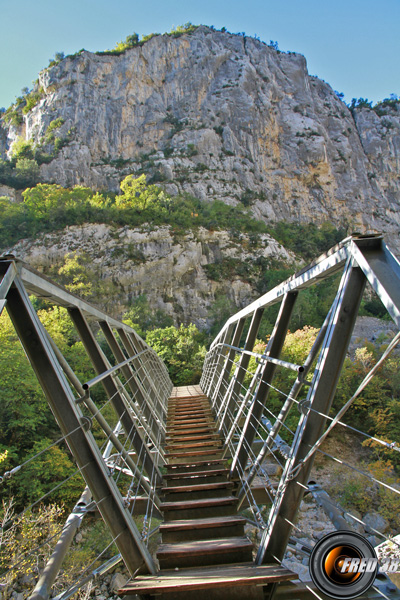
{"x": 124, "y": 263}
{"x": 220, "y": 116}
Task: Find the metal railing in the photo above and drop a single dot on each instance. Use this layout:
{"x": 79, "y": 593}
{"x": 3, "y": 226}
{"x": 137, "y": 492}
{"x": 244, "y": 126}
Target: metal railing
{"x": 240, "y": 393}
{"x": 119, "y": 459}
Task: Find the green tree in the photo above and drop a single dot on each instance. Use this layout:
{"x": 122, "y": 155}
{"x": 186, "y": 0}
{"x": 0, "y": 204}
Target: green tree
{"x": 137, "y": 194}
{"x": 26, "y": 172}
{"x": 182, "y": 350}
{"x": 75, "y": 274}
{"x": 143, "y": 318}
{"x": 61, "y": 329}
{"x": 130, "y": 41}
{"x": 23, "y": 149}
{"x": 44, "y": 473}
{"x": 24, "y": 413}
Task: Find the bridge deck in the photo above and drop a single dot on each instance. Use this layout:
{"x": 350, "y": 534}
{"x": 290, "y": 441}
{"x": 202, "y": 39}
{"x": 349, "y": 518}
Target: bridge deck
{"x": 204, "y": 548}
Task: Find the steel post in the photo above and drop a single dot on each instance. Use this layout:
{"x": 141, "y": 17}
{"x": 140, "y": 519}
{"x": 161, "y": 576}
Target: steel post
{"x": 215, "y": 372}
{"x": 276, "y": 427}
{"x": 221, "y": 386}
{"x": 134, "y": 346}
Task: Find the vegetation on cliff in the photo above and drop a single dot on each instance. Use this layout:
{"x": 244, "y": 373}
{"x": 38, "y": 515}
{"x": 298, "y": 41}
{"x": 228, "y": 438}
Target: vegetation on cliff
{"x": 49, "y": 207}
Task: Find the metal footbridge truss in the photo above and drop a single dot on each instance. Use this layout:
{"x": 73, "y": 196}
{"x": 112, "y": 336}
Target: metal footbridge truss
{"x": 188, "y": 464}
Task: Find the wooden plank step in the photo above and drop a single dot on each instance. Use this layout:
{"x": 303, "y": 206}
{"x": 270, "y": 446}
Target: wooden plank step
{"x": 192, "y": 504}
{"x": 171, "y": 416}
{"x": 185, "y": 430}
{"x": 181, "y": 445}
{"x": 177, "y": 417}
{"x": 188, "y": 400}
{"x": 193, "y": 464}
{"x": 209, "y": 452}
{"x": 189, "y": 419}
{"x": 199, "y": 552}
{"x": 185, "y": 524}
{"x": 202, "y": 421}
{"x": 197, "y": 487}
{"x": 186, "y": 407}
{"x": 194, "y": 397}
{"x": 196, "y": 443}
{"x": 207, "y": 578}
{"x": 198, "y": 491}
{"x": 193, "y": 390}
{"x": 203, "y": 547}
{"x": 189, "y": 403}
{"x": 188, "y": 396}
{"x": 173, "y": 421}
{"x": 188, "y": 414}
{"x": 171, "y": 408}
{"x": 193, "y": 439}
{"x": 196, "y": 474}
{"x": 190, "y": 438}
{"x": 201, "y": 430}
{"x": 182, "y": 530}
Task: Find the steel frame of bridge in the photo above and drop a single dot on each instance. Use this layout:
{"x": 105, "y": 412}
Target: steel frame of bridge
{"x": 361, "y": 259}
{"x": 140, "y": 400}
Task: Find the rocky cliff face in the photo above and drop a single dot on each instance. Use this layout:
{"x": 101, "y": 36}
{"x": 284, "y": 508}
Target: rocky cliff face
{"x": 220, "y": 116}
{"x": 123, "y": 263}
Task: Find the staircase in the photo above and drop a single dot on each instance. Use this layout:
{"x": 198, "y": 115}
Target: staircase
{"x": 204, "y": 551}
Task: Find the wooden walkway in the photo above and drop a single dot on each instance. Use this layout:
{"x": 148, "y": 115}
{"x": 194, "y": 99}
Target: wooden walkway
{"x": 204, "y": 551}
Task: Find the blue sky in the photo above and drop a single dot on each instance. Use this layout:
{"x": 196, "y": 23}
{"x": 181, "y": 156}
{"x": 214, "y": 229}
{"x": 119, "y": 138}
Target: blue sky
{"x": 354, "y": 45}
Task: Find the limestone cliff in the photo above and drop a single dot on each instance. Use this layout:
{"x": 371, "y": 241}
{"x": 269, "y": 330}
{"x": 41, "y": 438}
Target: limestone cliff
{"x": 221, "y": 116}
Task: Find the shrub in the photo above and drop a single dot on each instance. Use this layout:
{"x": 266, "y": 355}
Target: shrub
{"x": 307, "y": 241}
{"x": 44, "y": 473}
{"x": 55, "y": 124}
{"x": 33, "y": 99}
{"x": 26, "y": 173}
{"x": 359, "y": 103}
{"x": 182, "y": 29}
{"x": 27, "y": 532}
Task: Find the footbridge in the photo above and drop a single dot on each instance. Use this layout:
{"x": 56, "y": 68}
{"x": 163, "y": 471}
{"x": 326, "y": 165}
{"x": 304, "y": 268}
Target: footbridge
{"x": 200, "y": 486}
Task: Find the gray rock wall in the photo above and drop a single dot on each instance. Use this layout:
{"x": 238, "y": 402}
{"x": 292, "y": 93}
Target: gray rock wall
{"x": 170, "y": 272}
{"x": 221, "y": 116}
